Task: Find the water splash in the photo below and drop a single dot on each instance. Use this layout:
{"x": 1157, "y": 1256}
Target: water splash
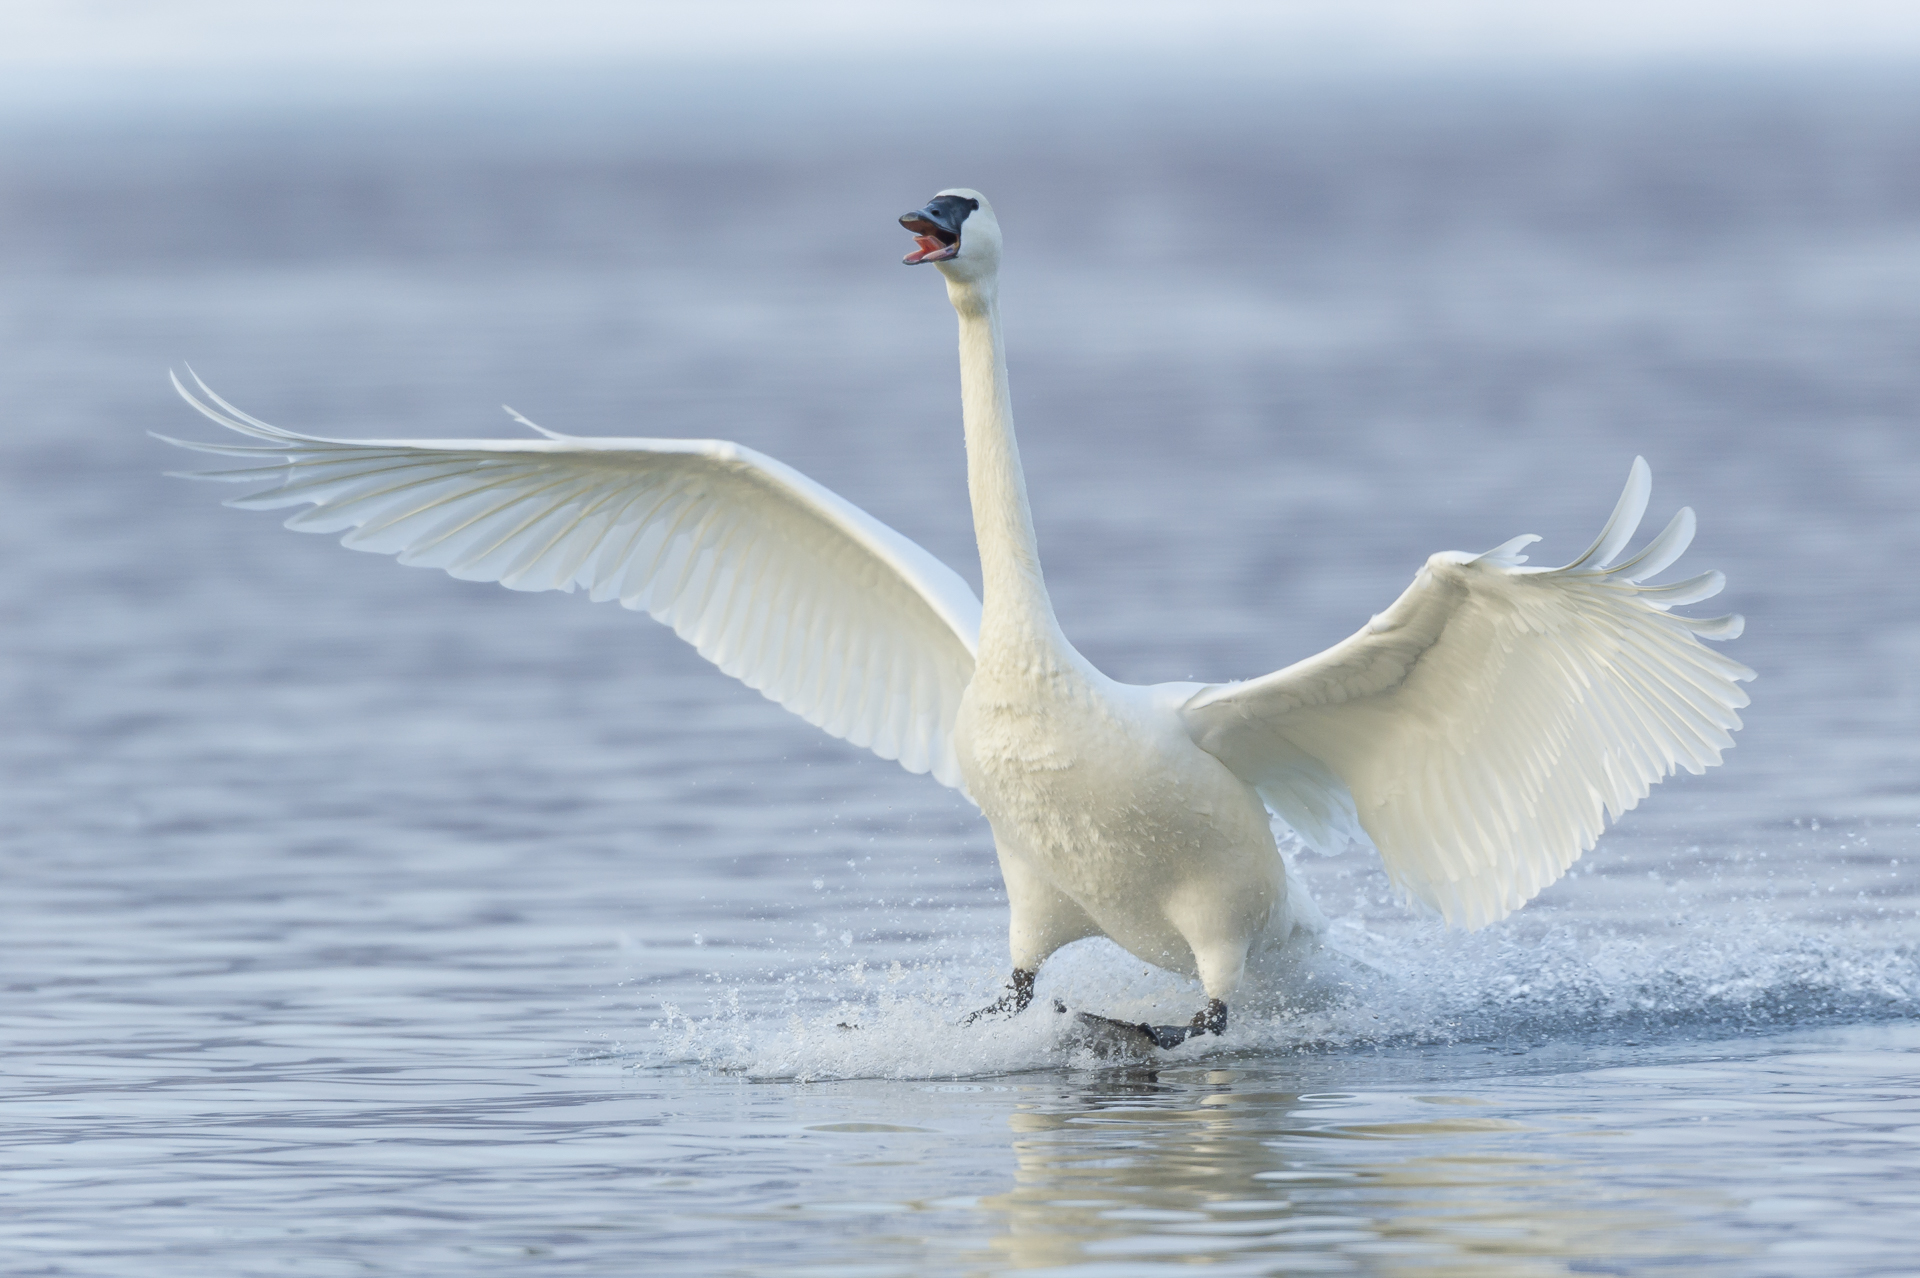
{"x": 1352, "y": 988}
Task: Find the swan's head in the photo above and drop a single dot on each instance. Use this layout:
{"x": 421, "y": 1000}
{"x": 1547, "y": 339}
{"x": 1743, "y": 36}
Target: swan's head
{"x": 956, "y": 231}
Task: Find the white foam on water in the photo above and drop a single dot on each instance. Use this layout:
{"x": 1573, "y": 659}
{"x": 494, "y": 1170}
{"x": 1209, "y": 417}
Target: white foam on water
{"x": 1352, "y": 988}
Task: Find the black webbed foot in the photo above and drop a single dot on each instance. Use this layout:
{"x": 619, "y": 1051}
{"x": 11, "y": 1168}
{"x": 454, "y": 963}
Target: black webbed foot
{"x": 1013, "y": 1002}
{"x": 1213, "y": 1020}
{"x": 1142, "y": 1035}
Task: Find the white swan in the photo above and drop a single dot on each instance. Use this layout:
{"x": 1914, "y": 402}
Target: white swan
{"x": 1479, "y": 732}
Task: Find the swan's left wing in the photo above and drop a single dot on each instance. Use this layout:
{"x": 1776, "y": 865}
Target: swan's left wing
{"x": 1484, "y": 728}
{"x": 781, "y": 583}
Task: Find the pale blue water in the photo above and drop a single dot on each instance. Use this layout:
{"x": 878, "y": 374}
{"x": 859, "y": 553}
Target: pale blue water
{"x": 356, "y": 920}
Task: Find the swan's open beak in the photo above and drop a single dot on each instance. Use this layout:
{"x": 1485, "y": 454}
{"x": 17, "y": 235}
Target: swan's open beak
{"x": 936, "y": 230}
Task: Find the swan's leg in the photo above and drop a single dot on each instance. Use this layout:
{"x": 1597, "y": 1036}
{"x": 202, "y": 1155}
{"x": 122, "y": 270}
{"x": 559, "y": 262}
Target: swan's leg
{"x": 1219, "y": 954}
{"x": 1222, "y": 965}
{"x": 1013, "y": 1002}
{"x": 1041, "y": 920}
{"x": 1221, "y": 962}
{"x": 1211, "y": 1019}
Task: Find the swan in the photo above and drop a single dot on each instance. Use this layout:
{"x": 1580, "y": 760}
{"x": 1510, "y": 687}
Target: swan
{"x": 1479, "y": 733}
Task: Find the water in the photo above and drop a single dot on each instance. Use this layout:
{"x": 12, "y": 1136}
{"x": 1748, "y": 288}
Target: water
{"x": 357, "y": 920}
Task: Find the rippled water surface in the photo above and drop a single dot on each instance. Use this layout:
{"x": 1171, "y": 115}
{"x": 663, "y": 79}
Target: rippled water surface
{"x": 357, "y": 920}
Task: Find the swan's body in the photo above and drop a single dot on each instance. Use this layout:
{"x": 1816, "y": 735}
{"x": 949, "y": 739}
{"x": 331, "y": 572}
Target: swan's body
{"x": 1478, "y": 733}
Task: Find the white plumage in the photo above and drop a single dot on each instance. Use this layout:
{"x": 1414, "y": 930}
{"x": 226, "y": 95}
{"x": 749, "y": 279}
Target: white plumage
{"x": 781, "y": 583}
{"x": 1479, "y": 733}
{"x": 1491, "y": 721}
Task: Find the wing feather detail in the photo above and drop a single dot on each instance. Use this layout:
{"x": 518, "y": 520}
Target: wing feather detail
{"x": 1483, "y": 730}
{"x": 779, "y": 582}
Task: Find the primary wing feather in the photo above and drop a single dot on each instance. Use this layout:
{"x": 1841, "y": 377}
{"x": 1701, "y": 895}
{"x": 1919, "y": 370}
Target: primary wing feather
{"x": 1483, "y": 730}
{"x": 778, "y": 581}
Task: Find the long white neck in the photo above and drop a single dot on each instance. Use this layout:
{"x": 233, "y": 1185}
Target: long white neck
{"x": 1017, "y": 622}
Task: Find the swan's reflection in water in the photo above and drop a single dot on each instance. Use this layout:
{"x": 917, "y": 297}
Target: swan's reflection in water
{"x": 1140, "y": 1175}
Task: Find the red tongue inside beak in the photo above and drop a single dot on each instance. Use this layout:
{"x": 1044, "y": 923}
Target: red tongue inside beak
{"x": 930, "y": 250}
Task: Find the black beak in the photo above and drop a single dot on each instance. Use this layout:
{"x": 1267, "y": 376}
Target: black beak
{"x": 941, "y": 218}
{"x": 939, "y": 221}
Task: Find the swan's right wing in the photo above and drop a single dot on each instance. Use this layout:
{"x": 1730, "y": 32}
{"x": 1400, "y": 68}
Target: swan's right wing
{"x": 781, "y": 583}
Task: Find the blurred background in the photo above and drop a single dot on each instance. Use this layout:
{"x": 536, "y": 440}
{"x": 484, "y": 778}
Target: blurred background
{"x": 1297, "y": 294}
{"x": 296, "y": 843}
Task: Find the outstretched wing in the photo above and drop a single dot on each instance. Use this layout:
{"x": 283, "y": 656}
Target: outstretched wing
{"x": 1484, "y": 728}
{"x": 782, "y": 584}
